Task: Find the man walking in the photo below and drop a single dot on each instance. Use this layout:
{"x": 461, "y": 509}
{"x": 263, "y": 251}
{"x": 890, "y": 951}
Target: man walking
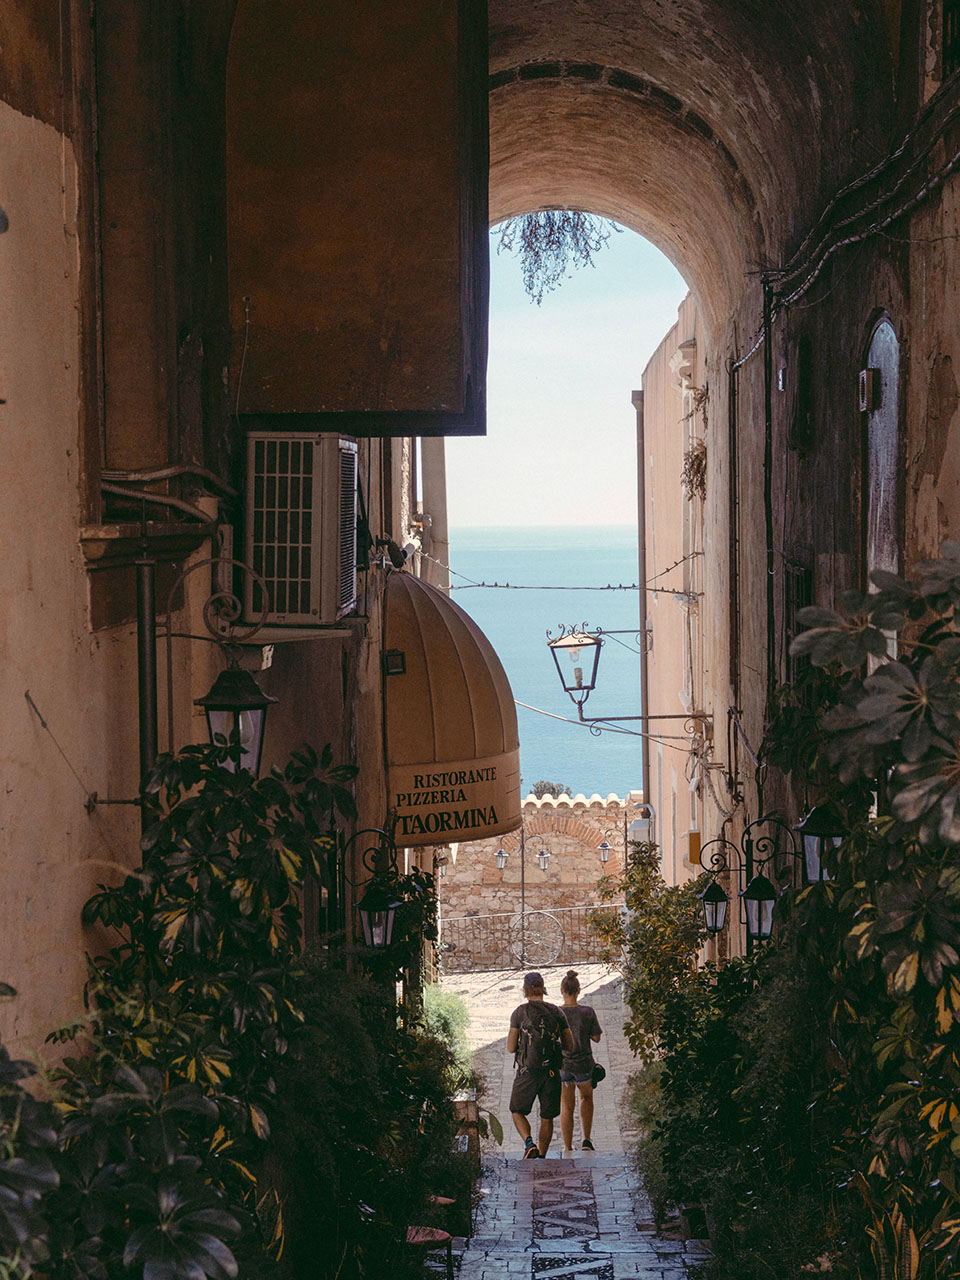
{"x": 537, "y": 1037}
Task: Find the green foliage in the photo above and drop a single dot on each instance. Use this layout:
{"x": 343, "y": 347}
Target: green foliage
{"x": 655, "y": 940}
{"x": 363, "y": 1119}
{"x": 555, "y": 789}
{"x": 446, "y": 1017}
{"x": 820, "y": 1084}
{"x": 28, "y": 1171}
{"x": 231, "y": 1108}
{"x": 165, "y": 1106}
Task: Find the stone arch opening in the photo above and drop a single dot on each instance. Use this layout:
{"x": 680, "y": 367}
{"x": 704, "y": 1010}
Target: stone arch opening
{"x": 715, "y": 131}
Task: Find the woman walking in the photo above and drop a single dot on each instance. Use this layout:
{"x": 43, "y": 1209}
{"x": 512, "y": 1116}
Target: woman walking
{"x": 576, "y": 1070}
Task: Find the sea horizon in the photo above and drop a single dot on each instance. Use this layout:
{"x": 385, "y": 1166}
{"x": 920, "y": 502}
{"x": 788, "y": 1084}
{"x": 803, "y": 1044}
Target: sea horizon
{"x": 540, "y": 563}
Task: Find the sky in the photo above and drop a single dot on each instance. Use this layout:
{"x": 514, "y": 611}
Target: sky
{"x": 561, "y": 428}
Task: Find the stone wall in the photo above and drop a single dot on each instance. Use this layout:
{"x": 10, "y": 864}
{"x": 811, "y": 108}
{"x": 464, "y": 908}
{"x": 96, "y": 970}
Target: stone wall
{"x": 480, "y": 903}
{"x": 570, "y": 829}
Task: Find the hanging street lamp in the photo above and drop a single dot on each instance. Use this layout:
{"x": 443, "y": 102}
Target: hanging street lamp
{"x": 236, "y": 710}
{"x": 377, "y": 910}
{"x": 759, "y": 898}
{"x": 714, "y": 903}
{"x": 822, "y": 829}
{"x": 576, "y": 653}
{"x": 764, "y": 841}
{"x": 543, "y": 857}
{"x": 501, "y": 858}
{"x": 604, "y": 851}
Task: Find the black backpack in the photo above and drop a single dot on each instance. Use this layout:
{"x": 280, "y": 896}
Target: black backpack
{"x": 539, "y": 1046}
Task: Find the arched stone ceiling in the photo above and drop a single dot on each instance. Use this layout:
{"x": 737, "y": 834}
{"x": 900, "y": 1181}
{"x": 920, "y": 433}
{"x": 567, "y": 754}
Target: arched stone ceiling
{"x": 715, "y": 128}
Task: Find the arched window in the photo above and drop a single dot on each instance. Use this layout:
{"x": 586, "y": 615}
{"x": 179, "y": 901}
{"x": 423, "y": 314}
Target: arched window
{"x": 880, "y": 402}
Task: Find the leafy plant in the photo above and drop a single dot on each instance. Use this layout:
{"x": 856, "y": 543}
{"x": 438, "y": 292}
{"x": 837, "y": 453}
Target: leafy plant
{"x": 446, "y": 1017}
{"x": 28, "y": 1171}
{"x": 555, "y": 789}
{"x": 191, "y": 1012}
{"x": 550, "y": 240}
{"x": 655, "y": 940}
{"x": 363, "y": 1119}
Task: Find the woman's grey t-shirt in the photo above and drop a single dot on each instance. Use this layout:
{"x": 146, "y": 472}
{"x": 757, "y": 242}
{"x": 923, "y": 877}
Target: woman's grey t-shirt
{"x": 583, "y": 1023}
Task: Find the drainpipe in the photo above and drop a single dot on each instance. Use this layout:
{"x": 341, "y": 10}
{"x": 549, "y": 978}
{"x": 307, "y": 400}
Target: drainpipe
{"x": 637, "y": 399}
{"x": 768, "y": 491}
{"x": 147, "y": 659}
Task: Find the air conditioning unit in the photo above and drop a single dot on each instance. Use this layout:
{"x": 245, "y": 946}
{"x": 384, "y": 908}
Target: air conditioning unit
{"x": 301, "y": 527}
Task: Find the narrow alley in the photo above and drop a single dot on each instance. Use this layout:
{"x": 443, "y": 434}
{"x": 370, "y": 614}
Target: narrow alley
{"x": 561, "y": 1218}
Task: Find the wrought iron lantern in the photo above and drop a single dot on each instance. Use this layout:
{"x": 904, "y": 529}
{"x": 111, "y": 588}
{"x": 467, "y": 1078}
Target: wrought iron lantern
{"x": 501, "y": 858}
{"x": 759, "y": 846}
{"x": 821, "y": 829}
{"x": 543, "y": 857}
{"x": 759, "y": 898}
{"x": 377, "y": 910}
{"x": 604, "y": 851}
{"x": 576, "y": 653}
{"x": 236, "y": 710}
{"x": 714, "y": 903}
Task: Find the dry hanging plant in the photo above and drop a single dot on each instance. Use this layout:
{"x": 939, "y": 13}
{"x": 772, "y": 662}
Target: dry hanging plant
{"x": 693, "y": 477}
{"x": 548, "y": 241}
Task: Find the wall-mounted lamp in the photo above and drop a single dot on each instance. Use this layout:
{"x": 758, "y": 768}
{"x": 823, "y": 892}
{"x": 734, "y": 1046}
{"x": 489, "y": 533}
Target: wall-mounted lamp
{"x": 236, "y": 710}
{"x": 759, "y": 895}
{"x": 576, "y": 654}
{"x": 377, "y": 908}
{"x": 822, "y": 829}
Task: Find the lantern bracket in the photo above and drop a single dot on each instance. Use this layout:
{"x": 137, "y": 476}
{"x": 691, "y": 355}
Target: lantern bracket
{"x": 762, "y": 842}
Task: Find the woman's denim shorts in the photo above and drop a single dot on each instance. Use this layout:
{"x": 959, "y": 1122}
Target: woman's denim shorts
{"x": 571, "y": 1077}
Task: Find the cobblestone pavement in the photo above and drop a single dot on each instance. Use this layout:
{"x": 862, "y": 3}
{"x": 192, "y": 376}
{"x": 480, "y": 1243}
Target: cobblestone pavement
{"x": 563, "y": 1218}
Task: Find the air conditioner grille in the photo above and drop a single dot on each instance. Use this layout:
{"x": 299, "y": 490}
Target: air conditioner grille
{"x": 282, "y": 520}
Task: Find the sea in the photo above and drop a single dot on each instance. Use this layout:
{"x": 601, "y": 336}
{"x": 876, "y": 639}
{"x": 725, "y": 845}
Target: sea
{"x": 554, "y": 574}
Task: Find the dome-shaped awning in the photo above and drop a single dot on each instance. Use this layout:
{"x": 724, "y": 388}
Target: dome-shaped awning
{"x": 453, "y": 766}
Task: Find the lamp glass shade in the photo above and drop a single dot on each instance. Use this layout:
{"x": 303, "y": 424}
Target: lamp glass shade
{"x": 821, "y": 828}
{"x": 236, "y": 709}
{"x": 714, "y": 903}
{"x": 501, "y": 859}
{"x": 759, "y": 898}
{"x": 377, "y": 910}
{"x": 543, "y": 857}
{"x": 576, "y": 656}
{"x": 604, "y": 851}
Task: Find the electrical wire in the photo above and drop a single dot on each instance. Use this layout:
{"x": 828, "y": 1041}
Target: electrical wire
{"x": 510, "y": 586}
{"x": 826, "y": 249}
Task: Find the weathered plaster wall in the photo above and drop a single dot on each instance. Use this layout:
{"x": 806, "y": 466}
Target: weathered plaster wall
{"x": 51, "y": 850}
{"x": 676, "y": 412}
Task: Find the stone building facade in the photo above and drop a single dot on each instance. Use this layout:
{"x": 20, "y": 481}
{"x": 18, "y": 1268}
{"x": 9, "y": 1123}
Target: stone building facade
{"x": 571, "y": 829}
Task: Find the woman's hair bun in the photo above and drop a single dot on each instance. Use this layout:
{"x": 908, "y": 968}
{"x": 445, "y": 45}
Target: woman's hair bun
{"x": 571, "y": 973}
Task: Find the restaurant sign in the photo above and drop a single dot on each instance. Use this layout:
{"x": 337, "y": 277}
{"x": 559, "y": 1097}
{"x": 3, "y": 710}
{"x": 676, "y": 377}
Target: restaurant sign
{"x": 442, "y": 804}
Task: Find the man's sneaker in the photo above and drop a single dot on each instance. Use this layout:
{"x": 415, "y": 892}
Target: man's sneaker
{"x": 530, "y": 1151}
{"x": 588, "y": 1145}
